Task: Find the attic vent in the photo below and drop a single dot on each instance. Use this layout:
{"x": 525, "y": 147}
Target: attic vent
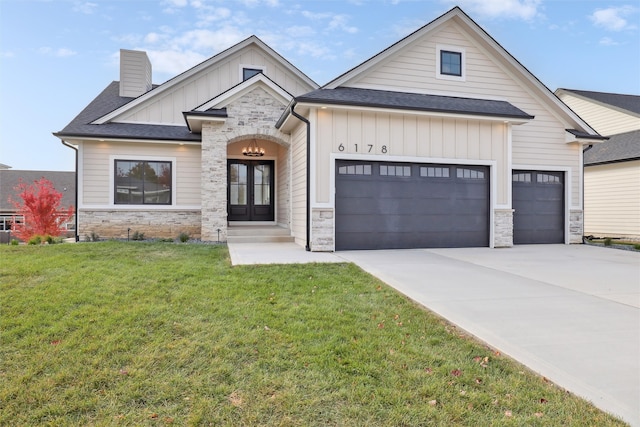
{"x": 135, "y": 73}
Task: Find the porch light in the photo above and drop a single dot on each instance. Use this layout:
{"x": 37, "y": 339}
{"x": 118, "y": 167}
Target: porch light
{"x": 253, "y": 150}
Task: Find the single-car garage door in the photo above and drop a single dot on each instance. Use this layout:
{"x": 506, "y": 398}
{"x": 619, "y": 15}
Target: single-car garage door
{"x": 381, "y": 205}
{"x": 538, "y": 203}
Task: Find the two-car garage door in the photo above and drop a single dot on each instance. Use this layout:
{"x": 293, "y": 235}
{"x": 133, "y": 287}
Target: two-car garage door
{"x": 385, "y": 205}
{"x": 382, "y": 205}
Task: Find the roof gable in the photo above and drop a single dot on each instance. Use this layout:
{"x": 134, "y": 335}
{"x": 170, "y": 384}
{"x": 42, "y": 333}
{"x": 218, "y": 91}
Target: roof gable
{"x": 629, "y": 104}
{"x": 418, "y": 48}
{"x": 206, "y": 80}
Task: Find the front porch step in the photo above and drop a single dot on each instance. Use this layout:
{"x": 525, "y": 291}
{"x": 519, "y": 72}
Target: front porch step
{"x": 258, "y": 234}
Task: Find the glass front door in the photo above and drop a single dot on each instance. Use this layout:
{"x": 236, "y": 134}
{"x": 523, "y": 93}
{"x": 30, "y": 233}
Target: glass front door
{"x": 250, "y": 191}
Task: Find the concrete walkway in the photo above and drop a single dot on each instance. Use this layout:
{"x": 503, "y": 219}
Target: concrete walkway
{"x": 570, "y": 313}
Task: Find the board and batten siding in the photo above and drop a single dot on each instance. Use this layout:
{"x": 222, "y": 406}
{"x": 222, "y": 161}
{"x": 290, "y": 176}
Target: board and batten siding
{"x": 612, "y": 199}
{"x": 344, "y": 132}
{"x": 97, "y": 168}
{"x": 540, "y": 142}
{"x": 299, "y": 183}
{"x": 210, "y": 83}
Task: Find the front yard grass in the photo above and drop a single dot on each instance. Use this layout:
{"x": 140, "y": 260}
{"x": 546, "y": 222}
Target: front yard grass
{"x": 118, "y": 333}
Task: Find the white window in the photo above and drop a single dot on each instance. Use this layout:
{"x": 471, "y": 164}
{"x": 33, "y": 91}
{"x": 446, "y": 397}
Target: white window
{"x": 450, "y": 63}
{"x": 248, "y": 71}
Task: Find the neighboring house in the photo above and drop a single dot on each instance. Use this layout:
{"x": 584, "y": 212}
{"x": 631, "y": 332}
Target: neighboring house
{"x": 442, "y": 139}
{"x": 612, "y": 169}
{"x": 63, "y": 182}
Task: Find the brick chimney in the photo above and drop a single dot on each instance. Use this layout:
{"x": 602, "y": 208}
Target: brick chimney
{"x": 135, "y": 73}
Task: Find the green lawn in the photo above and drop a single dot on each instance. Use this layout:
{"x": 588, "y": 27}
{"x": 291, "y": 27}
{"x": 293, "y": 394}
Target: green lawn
{"x": 118, "y": 333}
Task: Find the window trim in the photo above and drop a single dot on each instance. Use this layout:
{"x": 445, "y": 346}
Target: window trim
{"x": 463, "y": 60}
{"x": 130, "y": 157}
{"x": 242, "y": 67}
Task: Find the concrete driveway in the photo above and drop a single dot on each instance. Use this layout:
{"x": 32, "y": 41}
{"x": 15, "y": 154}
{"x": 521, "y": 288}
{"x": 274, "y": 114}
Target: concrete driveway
{"x": 570, "y": 313}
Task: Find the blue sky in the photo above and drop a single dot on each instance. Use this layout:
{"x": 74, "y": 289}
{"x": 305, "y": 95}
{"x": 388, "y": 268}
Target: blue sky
{"x": 56, "y": 56}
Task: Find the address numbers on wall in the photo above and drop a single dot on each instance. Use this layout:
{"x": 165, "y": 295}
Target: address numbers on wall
{"x": 364, "y": 148}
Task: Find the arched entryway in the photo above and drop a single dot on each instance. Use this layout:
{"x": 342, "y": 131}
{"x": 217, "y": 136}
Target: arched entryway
{"x": 253, "y": 185}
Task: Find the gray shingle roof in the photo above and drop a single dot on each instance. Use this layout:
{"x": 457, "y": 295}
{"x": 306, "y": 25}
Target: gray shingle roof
{"x": 626, "y": 102}
{"x": 9, "y": 178}
{"x": 619, "y": 148}
{"x": 413, "y": 101}
{"x": 108, "y": 100}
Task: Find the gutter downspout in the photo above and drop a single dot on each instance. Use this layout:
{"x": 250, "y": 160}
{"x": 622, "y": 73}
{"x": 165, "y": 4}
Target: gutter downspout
{"x": 587, "y": 148}
{"x": 308, "y": 219}
{"x": 76, "y": 195}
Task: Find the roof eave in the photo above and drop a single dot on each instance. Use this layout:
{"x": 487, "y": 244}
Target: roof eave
{"x": 513, "y": 119}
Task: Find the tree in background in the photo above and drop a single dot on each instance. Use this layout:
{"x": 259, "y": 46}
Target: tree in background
{"x": 40, "y": 208}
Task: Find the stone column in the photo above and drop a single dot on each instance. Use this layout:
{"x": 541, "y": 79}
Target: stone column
{"x": 322, "y": 230}
{"x": 575, "y": 226}
{"x": 214, "y": 184}
{"x": 503, "y": 228}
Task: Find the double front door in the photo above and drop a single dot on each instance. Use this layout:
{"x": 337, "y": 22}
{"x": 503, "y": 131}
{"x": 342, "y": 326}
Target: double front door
{"x": 250, "y": 193}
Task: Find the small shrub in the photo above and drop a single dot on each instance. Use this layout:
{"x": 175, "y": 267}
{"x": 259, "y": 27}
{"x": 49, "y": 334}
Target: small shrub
{"x": 35, "y": 240}
{"x": 137, "y": 236}
{"x": 15, "y": 242}
{"x": 166, "y": 240}
{"x": 183, "y": 237}
{"x": 93, "y": 237}
{"x": 636, "y": 246}
{"x": 607, "y": 241}
{"x": 49, "y": 239}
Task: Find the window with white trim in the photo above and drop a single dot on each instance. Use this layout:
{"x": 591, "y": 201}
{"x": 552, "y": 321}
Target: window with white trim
{"x": 142, "y": 182}
{"x": 248, "y": 71}
{"x": 450, "y": 63}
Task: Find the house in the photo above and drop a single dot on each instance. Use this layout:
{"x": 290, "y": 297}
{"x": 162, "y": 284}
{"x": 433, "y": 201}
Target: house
{"x": 441, "y": 140}
{"x": 612, "y": 169}
{"x": 63, "y": 182}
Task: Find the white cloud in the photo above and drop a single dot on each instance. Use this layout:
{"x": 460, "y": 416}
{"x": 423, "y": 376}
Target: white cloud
{"x": 58, "y": 53}
{"x": 173, "y": 62}
{"x": 6, "y": 54}
{"x": 84, "y": 7}
{"x": 608, "y": 41}
{"x": 300, "y": 31}
{"x": 511, "y": 9}
{"x": 340, "y": 22}
{"x": 613, "y": 18}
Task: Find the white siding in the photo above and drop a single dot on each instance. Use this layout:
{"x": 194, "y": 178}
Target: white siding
{"x": 606, "y": 121}
{"x": 355, "y": 133}
{"x": 97, "y": 168}
{"x": 299, "y": 183}
{"x": 612, "y": 199}
{"x": 540, "y": 142}
{"x": 210, "y": 83}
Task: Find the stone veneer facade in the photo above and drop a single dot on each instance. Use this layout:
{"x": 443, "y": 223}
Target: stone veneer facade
{"x": 322, "y": 230}
{"x": 251, "y": 116}
{"x": 503, "y": 228}
{"x": 155, "y": 224}
{"x": 576, "y": 225}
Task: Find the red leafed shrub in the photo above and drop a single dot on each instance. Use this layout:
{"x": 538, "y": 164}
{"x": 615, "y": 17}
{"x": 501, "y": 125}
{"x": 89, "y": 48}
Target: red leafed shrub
{"x": 40, "y": 208}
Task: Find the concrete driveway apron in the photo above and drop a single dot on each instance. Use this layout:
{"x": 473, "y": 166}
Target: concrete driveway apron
{"x": 569, "y": 312}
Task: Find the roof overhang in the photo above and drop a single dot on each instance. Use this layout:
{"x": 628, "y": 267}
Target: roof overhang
{"x": 195, "y": 119}
{"x": 575, "y": 136}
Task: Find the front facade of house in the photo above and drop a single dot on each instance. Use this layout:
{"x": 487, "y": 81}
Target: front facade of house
{"x": 441, "y": 140}
{"x": 612, "y": 169}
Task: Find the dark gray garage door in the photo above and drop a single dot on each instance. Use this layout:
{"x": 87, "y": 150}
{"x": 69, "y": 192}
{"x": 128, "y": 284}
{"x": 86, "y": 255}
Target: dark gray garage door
{"x": 383, "y": 205}
{"x": 538, "y": 201}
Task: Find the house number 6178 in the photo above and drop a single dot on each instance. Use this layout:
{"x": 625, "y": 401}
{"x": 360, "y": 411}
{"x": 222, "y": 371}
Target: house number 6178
{"x": 383, "y": 149}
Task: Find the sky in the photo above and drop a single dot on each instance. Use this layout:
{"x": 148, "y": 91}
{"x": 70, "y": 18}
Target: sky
{"x": 58, "y": 55}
